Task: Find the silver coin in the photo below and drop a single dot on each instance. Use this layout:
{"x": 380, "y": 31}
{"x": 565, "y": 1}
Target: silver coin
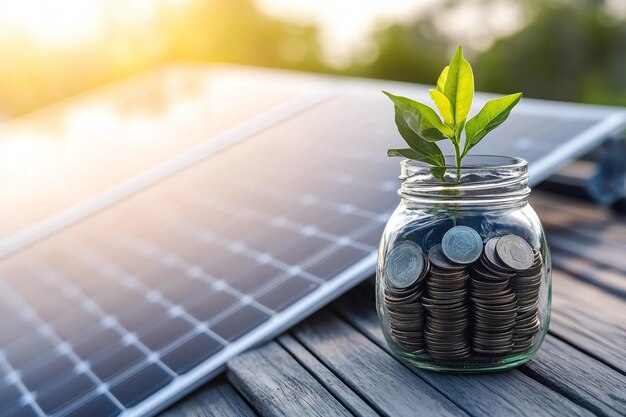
{"x": 462, "y": 245}
{"x": 515, "y": 252}
{"x": 490, "y": 253}
{"x": 438, "y": 259}
{"x": 404, "y": 265}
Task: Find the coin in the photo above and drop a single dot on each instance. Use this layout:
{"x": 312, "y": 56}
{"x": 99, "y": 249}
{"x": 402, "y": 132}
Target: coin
{"x": 439, "y": 259}
{"x": 488, "y": 275}
{"x": 402, "y": 300}
{"x": 515, "y": 252}
{"x": 498, "y": 351}
{"x": 462, "y": 245}
{"x": 492, "y": 261}
{"x": 404, "y": 264}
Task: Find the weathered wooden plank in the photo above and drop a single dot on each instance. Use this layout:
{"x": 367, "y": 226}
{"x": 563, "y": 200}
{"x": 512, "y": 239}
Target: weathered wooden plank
{"x": 581, "y": 208}
{"x": 579, "y": 377}
{"x": 606, "y": 253}
{"x": 216, "y": 399}
{"x": 275, "y": 384}
{"x": 341, "y": 391}
{"x": 582, "y": 229}
{"x": 590, "y": 221}
{"x": 563, "y": 210}
{"x": 379, "y": 378}
{"x": 584, "y": 269}
{"x": 509, "y": 393}
{"x": 590, "y": 319}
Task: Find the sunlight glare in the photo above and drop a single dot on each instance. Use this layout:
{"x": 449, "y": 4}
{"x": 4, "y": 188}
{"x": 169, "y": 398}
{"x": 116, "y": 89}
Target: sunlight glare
{"x": 53, "y": 23}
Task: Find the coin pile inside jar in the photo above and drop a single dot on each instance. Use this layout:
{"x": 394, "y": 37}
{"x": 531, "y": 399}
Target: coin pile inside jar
{"x": 465, "y": 298}
{"x": 402, "y": 295}
{"x": 526, "y": 286}
{"x": 447, "y": 306}
{"x": 495, "y": 305}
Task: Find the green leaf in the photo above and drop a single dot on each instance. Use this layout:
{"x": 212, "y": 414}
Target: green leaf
{"x": 493, "y": 114}
{"x": 428, "y": 152}
{"x": 420, "y": 118}
{"x": 437, "y": 171}
{"x": 458, "y": 130}
{"x": 443, "y": 104}
{"x": 441, "y": 81}
{"x": 459, "y": 86}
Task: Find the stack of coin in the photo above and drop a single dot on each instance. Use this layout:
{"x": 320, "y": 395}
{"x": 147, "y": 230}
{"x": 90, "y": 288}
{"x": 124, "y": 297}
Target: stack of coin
{"x": 495, "y": 310}
{"x": 448, "y": 310}
{"x": 526, "y": 286}
{"x": 405, "y": 270}
{"x": 504, "y": 322}
{"x": 494, "y": 304}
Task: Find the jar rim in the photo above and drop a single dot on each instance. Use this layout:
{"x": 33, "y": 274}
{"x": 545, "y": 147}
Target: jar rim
{"x": 472, "y": 163}
{"x": 483, "y": 180}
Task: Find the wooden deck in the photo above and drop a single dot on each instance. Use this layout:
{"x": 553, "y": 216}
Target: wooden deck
{"x": 337, "y": 363}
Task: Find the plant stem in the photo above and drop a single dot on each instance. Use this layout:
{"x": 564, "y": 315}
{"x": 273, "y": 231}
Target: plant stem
{"x": 457, "y": 160}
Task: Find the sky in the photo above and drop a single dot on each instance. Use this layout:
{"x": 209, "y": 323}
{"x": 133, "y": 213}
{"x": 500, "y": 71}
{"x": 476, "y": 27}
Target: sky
{"x": 344, "y": 25}
{"x": 66, "y": 22}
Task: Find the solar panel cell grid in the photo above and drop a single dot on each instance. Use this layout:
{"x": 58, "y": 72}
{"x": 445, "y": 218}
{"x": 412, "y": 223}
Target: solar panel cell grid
{"x": 62, "y": 392}
{"x": 116, "y": 360}
{"x": 100, "y": 406}
{"x": 25, "y": 411}
{"x": 141, "y": 384}
{"x": 215, "y": 304}
{"x": 46, "y": 371}
{"x": 9, "y": 396}
{"x": 286, "y": 293}
{"x": 191, "y": 352}
{"x": 239, "y": 322}
{"x": 150, "y": 299}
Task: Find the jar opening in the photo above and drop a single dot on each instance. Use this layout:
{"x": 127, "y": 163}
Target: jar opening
{"x": 472, "y": 163}
{"x": 483, "y": 179}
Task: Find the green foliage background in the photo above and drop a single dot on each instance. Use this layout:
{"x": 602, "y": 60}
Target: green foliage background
{"x": 569, "y": 50}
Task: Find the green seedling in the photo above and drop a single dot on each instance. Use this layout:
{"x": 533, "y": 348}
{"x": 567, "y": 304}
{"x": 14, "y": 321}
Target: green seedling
{"x": 421, "y": 126}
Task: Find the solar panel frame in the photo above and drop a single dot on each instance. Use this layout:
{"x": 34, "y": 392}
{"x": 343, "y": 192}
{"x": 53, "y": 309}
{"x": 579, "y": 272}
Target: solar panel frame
{"x": 610, "y": 122}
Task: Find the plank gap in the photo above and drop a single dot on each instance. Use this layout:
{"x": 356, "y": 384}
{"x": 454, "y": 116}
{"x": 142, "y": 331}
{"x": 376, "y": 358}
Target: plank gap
{"x": 607, "y": 278}
{"x": 331, "y": 336}
{"x": 277, "y": 385}
{"x": 577, "y": 399}
{"x": 586, "y": 352}
{"x": 289, "y": 342}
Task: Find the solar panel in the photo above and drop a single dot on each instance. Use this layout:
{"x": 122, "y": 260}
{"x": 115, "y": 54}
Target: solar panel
{"x": 123, "y": 305}
{"x": 85, "y": 145}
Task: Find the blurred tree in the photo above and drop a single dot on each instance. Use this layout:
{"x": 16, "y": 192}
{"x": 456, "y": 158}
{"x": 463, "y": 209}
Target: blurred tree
{"x": 415, "y": 52}
{"x": 235, "y": 31}
{"x": 570, "y": 51}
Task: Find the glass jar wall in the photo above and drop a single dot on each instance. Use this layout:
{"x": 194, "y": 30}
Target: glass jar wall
{"x": 463, "y": 281}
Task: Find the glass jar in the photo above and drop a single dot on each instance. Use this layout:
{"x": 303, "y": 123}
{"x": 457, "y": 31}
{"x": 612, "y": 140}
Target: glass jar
{"x": 463, "y": 281}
